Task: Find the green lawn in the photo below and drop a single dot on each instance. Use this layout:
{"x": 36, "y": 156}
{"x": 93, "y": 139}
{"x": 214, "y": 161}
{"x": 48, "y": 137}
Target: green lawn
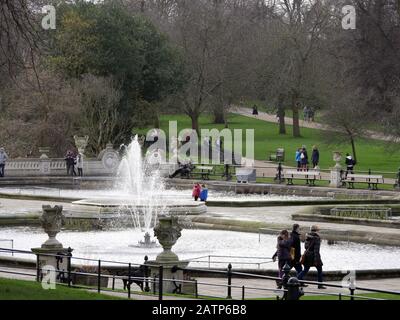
{"x": 372, "y": 154}
{"x": 29, "y": 290}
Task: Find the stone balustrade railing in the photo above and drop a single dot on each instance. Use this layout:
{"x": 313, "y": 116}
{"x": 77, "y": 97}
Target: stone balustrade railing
{"x": 56, "y": 167}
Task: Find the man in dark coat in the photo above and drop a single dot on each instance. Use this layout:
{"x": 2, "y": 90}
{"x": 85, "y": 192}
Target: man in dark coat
{"x": 312, "y": 255}
{"x": 295, "y": 237}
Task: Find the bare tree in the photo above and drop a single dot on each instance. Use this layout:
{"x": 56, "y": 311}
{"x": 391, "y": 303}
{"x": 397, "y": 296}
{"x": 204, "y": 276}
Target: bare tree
{"x": 100, "y": 117}
{"x": 33, "y": 116}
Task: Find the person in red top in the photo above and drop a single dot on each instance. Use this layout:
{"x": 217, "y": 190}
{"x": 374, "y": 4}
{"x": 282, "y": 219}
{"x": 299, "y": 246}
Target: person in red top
{"x": 196, "y": 191}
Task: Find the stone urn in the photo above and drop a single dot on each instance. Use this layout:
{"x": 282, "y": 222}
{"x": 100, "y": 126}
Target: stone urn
{"x": 337, "y": 157}
{"x": 44, "y": 152}
{"x": 81, "y": 143}
{"x": 52, "y": 220}
{"x": 167, "y": 231}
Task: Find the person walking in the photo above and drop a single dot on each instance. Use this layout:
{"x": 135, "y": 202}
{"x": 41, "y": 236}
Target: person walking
{"x": 298, "y": 159}
{"x": 79, "y": 164}
{"x": 204, "y": 193}
{"x": 312, "y": 256}
{"x": 3, "y": 160}
{"x": 283, "y": 246}
{"x": 315, "y": 157}
{"x": 296, "y": 247}
{"x": 196, "y": 191}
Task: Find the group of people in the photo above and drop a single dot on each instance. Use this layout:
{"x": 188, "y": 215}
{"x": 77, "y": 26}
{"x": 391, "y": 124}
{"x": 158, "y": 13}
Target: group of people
{"x": 289, "y": 252}
{"x": 73, "y": 159}
{"x": 3, "y": 159}
{"x": 308, "y": 114}
{"x": 200, "y": 192}
{"x": 303, "y": 160}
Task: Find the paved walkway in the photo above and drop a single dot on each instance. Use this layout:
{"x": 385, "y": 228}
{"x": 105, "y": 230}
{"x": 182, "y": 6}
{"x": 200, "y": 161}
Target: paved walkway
{"x": 216, "y": 287}
{"x": 304, "y": 124}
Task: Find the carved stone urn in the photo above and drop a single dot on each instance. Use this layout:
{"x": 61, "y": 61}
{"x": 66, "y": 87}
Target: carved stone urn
{"x": 337, "y": 157}
{"x": 52, "y": 220}
{"x": 81, "y": 143}
{"x": 167, "y": 231}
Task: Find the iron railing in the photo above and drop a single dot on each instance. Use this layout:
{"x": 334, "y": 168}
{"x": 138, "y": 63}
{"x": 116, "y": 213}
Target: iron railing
{"x": 65, "y": 277}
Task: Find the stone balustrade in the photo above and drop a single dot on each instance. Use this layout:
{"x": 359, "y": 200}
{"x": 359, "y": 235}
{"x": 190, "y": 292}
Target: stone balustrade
{"x": 56, "y": 167}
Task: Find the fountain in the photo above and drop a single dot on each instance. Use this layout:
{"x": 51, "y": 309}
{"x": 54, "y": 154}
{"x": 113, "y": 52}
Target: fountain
{"x": 141, "y": 197}
{"x": 147, "y": 243}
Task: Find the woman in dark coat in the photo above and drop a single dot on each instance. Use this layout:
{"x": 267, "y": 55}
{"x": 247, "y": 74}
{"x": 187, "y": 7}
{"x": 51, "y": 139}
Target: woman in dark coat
{"x": 304, "y": 159}
{"x": 315, "y": 157}
{"x": 312, "y": 257}
{"x": 284, "y": 243}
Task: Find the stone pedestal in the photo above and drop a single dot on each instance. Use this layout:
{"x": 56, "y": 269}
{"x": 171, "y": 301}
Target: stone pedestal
{"x": 56, "y": 258}
{"x": 170, "y": 272}
{"x": 336, "y": 180}
{"x": 45, "y": 166}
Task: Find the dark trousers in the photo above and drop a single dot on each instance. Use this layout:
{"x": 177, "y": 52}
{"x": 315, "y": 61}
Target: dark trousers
{"x": 80, "y": 172}
{"x": 2, "y": 169}
{"x": 298, "y": 267}
{"x": 281, "y": 264}
{"x": 305, "y": 271}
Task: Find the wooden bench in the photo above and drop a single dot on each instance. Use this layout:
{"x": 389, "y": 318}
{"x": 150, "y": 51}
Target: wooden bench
{"x": 309, "y": 176}
{"x": 203, "y": 171}
{"x": 371, "y": 180}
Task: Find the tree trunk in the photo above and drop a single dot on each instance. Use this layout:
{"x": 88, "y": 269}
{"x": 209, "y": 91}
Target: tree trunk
{"x": 353, "y": 147}
{"x": 219, "y": 117}
{"x": 296, "y": 125}
{"x": 281, "y": 116}
{"x": 195, "y": 122}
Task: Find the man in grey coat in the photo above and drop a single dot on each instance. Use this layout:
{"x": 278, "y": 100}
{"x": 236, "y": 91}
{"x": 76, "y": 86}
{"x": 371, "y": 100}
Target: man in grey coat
{"x": 3, "y": 159}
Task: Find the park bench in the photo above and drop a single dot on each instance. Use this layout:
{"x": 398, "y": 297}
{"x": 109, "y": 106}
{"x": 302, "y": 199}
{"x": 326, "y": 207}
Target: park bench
{"x": 371, "y": 180}
{"x": 278, "y": 156}
{"x": 309, "y": 176}
{"x": 203, "y": 171}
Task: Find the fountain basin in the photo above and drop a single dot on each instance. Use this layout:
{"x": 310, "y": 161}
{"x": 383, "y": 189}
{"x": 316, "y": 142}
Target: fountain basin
{"x": 111, "y": 207}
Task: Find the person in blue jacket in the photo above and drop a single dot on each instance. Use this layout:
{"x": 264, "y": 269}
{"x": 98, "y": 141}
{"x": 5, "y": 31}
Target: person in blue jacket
{"x": 203, "y": 193}
{"x": 298, "y": 159}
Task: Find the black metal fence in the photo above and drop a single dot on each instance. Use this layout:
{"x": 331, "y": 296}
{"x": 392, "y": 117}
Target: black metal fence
{"x": 153, "y": 284}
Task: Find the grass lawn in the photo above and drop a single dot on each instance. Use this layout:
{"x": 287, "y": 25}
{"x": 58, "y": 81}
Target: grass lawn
{"x": 29, "y": 290}
{"x": 372, "y": 154}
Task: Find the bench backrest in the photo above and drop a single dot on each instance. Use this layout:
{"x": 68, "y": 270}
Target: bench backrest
{"x": 302, "y": 173}
{"x": 205, "y": 168}
{"x": 364, "y": 176}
